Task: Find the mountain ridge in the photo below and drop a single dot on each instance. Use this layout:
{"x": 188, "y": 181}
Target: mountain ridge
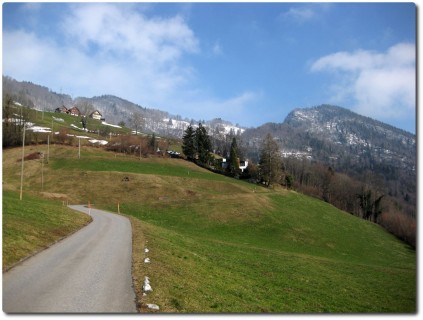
{"x": 327, "y": 109}
{"x": 114, "y": 109}
{"x": 337, "y": 131}
{"x": 331, "y": 134}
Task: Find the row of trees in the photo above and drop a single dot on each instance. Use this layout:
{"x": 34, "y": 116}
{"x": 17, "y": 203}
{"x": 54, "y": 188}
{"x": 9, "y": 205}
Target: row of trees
{"x": 139, "y": 146}
{"x": 14, "y": 118}
{"x": 197, "y": 145}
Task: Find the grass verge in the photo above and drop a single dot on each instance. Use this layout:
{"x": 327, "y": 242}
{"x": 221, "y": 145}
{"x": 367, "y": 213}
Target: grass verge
{"x": 138, "y": 245}
{"x": 34, "y": 224}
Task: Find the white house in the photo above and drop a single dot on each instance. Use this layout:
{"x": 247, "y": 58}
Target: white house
{"x": 224, "y": 163}
{"x": 243, "y": 164}
{"x": 96, "y": 115}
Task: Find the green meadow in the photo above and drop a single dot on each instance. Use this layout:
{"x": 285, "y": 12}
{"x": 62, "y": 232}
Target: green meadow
{"x": 218, "y": 244}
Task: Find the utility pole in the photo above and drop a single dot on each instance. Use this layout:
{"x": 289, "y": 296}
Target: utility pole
{"x": 48, "y": 147}
{"x": 42, "y": 172}
{"x": 52, "y": 131}
{"x": 23, "y": 155}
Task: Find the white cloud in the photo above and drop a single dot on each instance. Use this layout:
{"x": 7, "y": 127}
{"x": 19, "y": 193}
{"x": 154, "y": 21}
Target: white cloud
{"x": 22, "y": 62}
{"x": 380, "y": 84}
{"x": 300, "y": 14}
{"x": 306, "y": 12}
{"x": 235, "y": 107}
{"x": 31, "y": 6}
{"x": 104, "y": 48}
{"x": 119, "y": 30}
{"x": 217, "y": 49}
{"x": 109, "y": 49}
{"x": 201, "y": 105}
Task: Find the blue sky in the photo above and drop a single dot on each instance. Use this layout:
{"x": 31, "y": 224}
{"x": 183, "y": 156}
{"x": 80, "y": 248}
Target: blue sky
{"x": 249, "y": 63}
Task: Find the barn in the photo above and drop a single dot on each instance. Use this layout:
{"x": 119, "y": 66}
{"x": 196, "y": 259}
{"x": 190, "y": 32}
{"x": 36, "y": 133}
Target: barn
{"x": 61, "y": 109}
{"x": 74, "y": 111}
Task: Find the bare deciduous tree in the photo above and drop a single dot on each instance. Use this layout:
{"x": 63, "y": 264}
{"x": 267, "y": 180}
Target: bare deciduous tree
{"x": 85, "y": 107}
{"x": 270, "y": 161}
{"x": 137, "y": 122}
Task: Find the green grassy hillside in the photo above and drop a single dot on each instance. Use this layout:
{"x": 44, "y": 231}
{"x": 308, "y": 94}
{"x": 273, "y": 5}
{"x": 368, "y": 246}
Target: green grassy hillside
{"x": 221, "y": 245}
{"x": 68, "y": 124}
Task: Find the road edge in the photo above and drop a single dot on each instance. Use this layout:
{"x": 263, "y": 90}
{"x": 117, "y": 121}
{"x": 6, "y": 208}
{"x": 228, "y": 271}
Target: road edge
{"x": 8, "y": 268}
{"x": 138, "y": 244}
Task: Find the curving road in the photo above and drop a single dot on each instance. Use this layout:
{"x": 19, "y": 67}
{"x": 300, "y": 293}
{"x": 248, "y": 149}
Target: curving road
{"x": 88, "y": 272}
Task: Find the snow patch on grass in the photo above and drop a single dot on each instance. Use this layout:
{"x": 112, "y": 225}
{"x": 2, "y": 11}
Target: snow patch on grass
{"x": 109, "y": 124}
{"x": 101, "y": 142}
{"x": 147, "y": 287}
{"x": 153, "y": 306}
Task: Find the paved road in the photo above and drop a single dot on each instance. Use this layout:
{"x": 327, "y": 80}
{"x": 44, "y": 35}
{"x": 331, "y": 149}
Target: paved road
{"x": 88, "y": 272}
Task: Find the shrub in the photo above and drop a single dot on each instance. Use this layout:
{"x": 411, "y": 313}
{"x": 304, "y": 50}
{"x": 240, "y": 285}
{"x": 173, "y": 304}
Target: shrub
{"x": 400, "y": 225}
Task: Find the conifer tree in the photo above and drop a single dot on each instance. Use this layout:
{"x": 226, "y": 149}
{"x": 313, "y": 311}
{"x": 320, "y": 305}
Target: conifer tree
{"x": 188, "y": 144}
{"x": 153, "y": 143}
{"x": 203, "y": 144}
{"x": 234, "y": 158}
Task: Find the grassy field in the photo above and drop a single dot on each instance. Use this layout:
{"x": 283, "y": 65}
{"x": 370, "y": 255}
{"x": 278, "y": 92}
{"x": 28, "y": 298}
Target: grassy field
{"x": 49, "y": 119}
{"x": 222, "y": 245}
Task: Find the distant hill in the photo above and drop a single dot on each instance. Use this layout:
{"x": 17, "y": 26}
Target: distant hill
{"x": 34, "y": 95}
{"x": 113, "y": 109}
{"x": 325, "y": 133}
{"x": 340, "y": 137}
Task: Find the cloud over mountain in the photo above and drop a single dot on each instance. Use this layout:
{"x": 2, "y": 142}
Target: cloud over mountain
{"x": 379, "y": 83}
{"x": 106, "y": 47}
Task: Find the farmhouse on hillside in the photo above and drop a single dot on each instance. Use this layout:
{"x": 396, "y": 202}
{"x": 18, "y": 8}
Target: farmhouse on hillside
{"x": 96, "y": 115}
{"x": 74, "y": 111}
{"x": 243, "y": 164}
{"x": 61, "y": 109}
